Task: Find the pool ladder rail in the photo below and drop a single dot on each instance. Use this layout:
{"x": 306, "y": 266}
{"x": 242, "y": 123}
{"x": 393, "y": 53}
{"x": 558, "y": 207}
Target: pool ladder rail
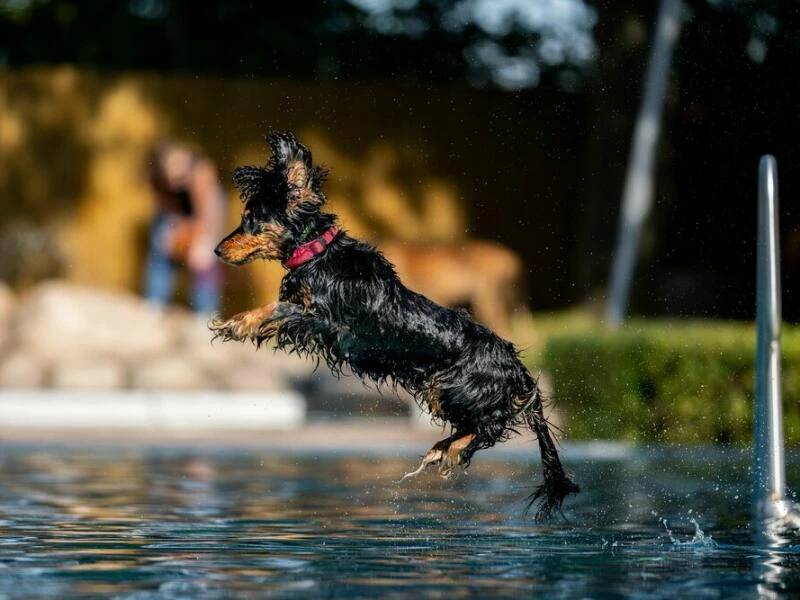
{"x": 773, "y": 510}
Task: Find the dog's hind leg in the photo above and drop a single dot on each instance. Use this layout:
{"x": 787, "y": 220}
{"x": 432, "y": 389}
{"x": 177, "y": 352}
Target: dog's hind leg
{"x": 447, "y": 453}
{"x": 557, "y": 482}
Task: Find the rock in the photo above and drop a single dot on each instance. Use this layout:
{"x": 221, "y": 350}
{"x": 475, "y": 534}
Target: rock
{"x": 289, "y": 365}
{"x": 239, "y": 365}
{"x": 60, "y": 320}
{"x": 252, "y": 376}
{"x": 22, "y": 369}
{"x": 7, "y": 304}
{"x": 103, "y": 374}
{"x": 171, "y": 373}
{"x": 222, "y": 357}
{"x": 215, "y": 357}
{"x": 6, "y": 298}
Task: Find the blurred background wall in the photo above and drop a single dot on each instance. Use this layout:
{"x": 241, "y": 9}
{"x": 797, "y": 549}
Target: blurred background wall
{"x": 438, "y": 166}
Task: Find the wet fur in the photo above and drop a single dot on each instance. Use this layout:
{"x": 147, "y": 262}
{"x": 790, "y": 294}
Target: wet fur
{"x": 348, "y": 307}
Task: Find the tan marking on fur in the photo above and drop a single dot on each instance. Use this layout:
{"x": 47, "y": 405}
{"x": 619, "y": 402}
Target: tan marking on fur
{"x": 306, "y": 298}
{"x": 433, "y": 398}
{"x": 304, "y": 197}
{"x": 244, "y": 247}
{"x": 460, "y": 444}
{"x": 297, "y": 174}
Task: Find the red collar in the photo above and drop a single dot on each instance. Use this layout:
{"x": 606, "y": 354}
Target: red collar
{"x": 303, "y": 254}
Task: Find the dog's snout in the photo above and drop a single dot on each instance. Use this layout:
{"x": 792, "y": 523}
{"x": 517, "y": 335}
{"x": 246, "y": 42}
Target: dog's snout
{"x": 218, "y": 250}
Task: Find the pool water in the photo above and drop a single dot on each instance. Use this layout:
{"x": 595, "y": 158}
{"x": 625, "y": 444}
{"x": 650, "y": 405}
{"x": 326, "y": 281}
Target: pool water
{"x": 104, "y": 522}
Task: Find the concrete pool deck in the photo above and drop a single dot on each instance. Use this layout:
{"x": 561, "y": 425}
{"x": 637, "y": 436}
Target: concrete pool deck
{"x": 277, "y": 419}
{"x": 257, "y": 420}
{"x": 141, "y": 409}
{"x": 355, "y": 435}
{"x": 350, "y": 434}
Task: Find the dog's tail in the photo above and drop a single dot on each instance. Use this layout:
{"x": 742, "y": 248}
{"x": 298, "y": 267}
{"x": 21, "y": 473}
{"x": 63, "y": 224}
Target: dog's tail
{"x": 557, "y": 482}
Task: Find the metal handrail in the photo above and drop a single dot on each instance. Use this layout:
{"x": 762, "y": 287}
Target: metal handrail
{"x": 769, "y": 471}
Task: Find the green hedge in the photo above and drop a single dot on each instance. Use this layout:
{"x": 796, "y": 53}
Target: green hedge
{"x": 665, "y": 382}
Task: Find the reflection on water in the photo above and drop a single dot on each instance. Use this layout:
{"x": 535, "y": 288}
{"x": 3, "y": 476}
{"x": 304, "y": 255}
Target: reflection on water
{"x": 193, "y": 523}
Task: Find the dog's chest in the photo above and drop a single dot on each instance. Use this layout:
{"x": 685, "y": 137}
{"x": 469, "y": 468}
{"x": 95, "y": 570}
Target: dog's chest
{"x": 300, "y": 294}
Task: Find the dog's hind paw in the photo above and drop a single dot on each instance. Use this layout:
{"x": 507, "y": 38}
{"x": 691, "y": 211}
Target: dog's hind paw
{"x": 448, "y": 454}
{"x": 433, "y": 456}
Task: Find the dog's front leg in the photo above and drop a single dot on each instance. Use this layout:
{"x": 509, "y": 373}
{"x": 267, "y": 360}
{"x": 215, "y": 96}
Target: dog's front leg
{"x": 250, "y": 324}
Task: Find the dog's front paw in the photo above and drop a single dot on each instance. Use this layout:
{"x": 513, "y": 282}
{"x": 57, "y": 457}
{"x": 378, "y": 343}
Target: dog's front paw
{"x": 236, "y": 328}
{"x": 242, "y": 326}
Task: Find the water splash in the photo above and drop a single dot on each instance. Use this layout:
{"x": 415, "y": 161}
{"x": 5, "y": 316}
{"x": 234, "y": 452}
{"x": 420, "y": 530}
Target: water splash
{"x": 699, "y": 540}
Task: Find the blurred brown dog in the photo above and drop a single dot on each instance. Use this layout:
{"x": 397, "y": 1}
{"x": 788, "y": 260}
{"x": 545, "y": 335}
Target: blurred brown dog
{"x": 484, "y": 277}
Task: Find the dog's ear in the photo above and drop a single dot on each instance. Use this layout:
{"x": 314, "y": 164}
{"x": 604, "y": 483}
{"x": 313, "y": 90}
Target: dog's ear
{"x": 293, "y": 159}
{"x": 290, "y": 157}
{"x": 249, "y": 180}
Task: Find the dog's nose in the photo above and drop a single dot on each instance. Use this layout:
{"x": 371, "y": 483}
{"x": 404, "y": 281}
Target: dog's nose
{"x": 218, "y": 250}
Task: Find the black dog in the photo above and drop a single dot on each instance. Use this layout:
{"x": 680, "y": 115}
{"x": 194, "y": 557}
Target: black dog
{"x": 342, "y": 301}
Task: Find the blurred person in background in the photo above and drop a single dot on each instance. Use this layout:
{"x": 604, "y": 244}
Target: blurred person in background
{"x": 190, "y": 210}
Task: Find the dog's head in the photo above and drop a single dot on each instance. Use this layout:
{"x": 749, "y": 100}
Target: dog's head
{"x": 280, "y": 200}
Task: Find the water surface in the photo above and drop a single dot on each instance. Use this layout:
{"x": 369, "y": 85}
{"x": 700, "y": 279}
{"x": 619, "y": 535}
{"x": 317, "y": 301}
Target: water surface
{"x": 105, "y": 522}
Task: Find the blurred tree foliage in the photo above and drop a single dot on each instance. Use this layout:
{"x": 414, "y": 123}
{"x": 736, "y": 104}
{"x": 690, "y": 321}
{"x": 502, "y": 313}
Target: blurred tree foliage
{"x": 510, "y": 43}
{"x": 514, "y": 43}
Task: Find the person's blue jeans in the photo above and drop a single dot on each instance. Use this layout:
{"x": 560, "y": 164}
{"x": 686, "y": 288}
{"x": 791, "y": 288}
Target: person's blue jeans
{"x": 160, "y": 272}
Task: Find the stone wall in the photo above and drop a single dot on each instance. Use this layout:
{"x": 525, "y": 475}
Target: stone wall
{"x": 68, "y": 336}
